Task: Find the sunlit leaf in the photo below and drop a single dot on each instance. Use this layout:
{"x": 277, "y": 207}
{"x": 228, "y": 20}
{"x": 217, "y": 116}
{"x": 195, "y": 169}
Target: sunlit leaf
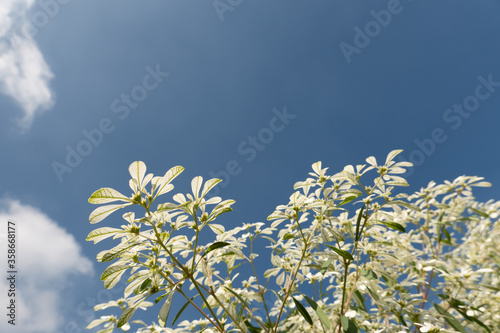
{"x": 209, "y": 184}
{"x": 106, "y": 195}
{"x": 100, "y": 213}
{"x": 392, "y": 154}
{"x": 112, "y": 275}
{"x": 196, "y": 186}
{"x": 98, "y": 235}
{"x": 127, "y": 314}
{"x": 137, "y": 171}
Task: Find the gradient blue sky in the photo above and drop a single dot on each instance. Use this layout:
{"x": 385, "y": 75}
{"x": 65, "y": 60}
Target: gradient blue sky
{"x": 227, "y": 72}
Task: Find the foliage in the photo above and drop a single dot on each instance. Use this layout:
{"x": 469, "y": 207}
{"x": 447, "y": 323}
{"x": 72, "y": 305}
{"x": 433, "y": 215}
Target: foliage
{"x": 346, "y": 257}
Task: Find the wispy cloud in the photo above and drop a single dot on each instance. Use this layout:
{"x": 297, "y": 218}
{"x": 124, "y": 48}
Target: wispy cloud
{"x": 48, "y": 257}
{"x": 24, "y": 74}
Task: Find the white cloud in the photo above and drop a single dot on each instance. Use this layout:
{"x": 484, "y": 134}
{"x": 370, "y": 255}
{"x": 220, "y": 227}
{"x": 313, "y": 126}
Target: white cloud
{"x": 24, "y": 74}
{"x": 48, "y": 257}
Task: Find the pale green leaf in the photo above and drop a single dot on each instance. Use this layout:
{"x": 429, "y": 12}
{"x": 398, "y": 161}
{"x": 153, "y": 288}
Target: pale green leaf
{"x": 196, "y": 186}
{"x": 106, "y": 195}
{"x": 165, "y": 310}
{"x": 100, "y": 213}
{"x": 392, "y": 154}
{"x": 98, "y": 235}
{"x": 137, "y": 171}
{"x": 112, "y": 275}
{"x": 372, "y": 161}
{"x": 348, "y": 326}
{"x": 325, "y": 266}
{"x": 127, "y": 314}
{"x": 209, "y": 184}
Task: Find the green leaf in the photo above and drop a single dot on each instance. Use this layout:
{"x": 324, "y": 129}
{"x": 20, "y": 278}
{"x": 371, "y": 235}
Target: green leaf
{"x": 455, "y": 323}
{"x": 251, "y": 328}
{"x": 159, "y": 298}
{"x": 112, "y": 275}
{"x": 229, "y": 269}
{"x": 102, "y": 233}
{"x": 358, "y": 222}
{"x": 238, "y": 297}
{"x": 394, "y": 225}
{"x": 347, "y": 200}
{"x": 182, "y": 310}
{"x": 473, "y": 319}
{"x": 369, "y": 274}
{"x": 319, "y": 311}
{"x": 144, "y": 285}
{"x": 107, "y": 194}
{"x": 303, "y": 311}
{"x": 127, "y": 314}
{"x": 446, "y": 234}
{"x": 360, "y": 300}
{"x": 401, "y": 318}
{"x": 288, "y": 236}
{"x": 348, "y": 326}
{"x": 389, "y": 280}
{"x": 214, "y": 246}
{"x": 342, "y": 253}
{"x": 325, "y": 265}
{"x": 165, "y": 309}
{"x": 373, "y": 294}
{"x": 100, "y": 213}
{"x": 479, "y": 212}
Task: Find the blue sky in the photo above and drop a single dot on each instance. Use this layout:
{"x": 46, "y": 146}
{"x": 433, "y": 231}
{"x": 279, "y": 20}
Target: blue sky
{"x": 265, "y": 88}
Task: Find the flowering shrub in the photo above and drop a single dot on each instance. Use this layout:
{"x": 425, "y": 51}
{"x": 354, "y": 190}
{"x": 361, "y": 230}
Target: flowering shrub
{"x": 347, "y": 255}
